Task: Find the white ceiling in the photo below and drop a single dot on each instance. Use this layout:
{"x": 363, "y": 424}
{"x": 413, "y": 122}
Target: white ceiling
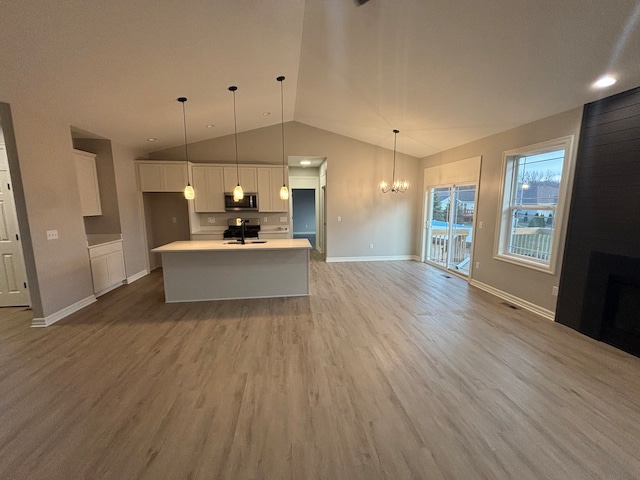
{"x": 443, "y": 72}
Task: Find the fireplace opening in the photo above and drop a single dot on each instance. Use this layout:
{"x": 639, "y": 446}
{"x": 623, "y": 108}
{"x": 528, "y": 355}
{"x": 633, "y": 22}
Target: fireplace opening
{"x": 621, "y": 323}
{"x": 611, "y": 307}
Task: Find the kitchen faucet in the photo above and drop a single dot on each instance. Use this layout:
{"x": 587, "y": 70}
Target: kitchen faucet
{"x": 243, "y": 223}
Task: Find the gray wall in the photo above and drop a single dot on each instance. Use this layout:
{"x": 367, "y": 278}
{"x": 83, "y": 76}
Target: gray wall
{"x": 109, "y": 221}
{"x": 44, "y": 152}
{"x": 304, "y": 210}
{"x": 524, "y": 283}
{"x": 354, "y": 170}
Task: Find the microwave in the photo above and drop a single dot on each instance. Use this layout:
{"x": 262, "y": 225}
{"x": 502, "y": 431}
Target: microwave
{"x": 249, "y": 202}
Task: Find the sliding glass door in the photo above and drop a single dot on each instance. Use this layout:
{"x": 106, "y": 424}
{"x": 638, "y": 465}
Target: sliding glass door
{"x": 450, "y": 226}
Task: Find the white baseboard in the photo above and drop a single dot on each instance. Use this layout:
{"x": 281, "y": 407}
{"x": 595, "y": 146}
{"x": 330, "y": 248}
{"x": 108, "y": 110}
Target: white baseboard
{"x": 112, "y": 287}
{"x": 519, "y": 302}
{"x": 372, "y": 259}
{"x": 60, "y": 314}
{"x": 137, "y": 276}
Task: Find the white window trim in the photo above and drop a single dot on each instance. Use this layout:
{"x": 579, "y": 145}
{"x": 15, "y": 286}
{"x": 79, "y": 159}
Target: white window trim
{"x": 502, "y": 234}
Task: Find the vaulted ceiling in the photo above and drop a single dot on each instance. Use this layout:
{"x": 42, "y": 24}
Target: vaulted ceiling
{"x": 443, "y": 72}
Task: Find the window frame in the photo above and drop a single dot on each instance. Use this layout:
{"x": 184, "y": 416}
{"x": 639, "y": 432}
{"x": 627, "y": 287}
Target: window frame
{"x": 505, "y": 206}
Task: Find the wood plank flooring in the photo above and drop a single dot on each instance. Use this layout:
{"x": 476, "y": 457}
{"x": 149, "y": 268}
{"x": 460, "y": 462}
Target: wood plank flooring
{"x": 389, "y": 370}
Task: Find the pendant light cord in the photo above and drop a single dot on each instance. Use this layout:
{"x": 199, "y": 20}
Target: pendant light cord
{"x": 235, "y": 130}
{"x": 393, "y": 174}
{"x": 281, "y": 79}
{"x": 184, "y": 122}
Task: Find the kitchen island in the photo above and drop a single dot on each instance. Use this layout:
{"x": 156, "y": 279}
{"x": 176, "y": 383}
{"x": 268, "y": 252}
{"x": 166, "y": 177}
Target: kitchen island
{"x": 201, "y": 270}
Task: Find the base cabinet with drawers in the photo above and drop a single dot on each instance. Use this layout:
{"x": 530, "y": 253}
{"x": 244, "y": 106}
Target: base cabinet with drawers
{"x": 107, "y": 267}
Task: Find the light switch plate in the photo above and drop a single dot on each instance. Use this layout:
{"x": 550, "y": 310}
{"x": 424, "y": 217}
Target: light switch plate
{"x": 52, "y": 234}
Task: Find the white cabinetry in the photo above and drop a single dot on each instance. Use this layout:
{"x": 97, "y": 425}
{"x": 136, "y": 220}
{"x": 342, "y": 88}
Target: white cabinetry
{"x": 162, "y": 176}
{"x": 87, "y": 175}
{"x": 269, "y": 184}
{"x": 208, "y": 184}
{"x": 247, "y": 179}
{"x": 107, "y": 266}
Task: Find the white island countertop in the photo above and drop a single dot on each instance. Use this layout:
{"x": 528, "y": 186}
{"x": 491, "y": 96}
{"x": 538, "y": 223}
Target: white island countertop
{"x": 226, "y": 246}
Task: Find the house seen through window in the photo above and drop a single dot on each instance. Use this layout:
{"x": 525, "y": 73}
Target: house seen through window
{"x": 533, "y": 191}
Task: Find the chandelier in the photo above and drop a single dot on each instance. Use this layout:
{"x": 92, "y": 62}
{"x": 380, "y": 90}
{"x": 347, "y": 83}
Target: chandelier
{"x": 397, "y": 186}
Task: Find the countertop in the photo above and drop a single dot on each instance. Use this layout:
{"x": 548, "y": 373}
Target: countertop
{"x": 223, "y": 246}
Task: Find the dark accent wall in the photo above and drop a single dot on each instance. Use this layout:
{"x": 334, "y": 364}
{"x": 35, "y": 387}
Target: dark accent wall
{"x": 605, "y": 206}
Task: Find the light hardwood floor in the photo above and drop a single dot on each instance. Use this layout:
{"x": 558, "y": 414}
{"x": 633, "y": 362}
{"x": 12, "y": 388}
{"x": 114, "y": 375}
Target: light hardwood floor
{"x": 389, "y": 370}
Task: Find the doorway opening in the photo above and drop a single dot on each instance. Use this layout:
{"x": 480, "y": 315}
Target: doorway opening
{"x": 449, "y": 227}
{"x": 304, "y": 214}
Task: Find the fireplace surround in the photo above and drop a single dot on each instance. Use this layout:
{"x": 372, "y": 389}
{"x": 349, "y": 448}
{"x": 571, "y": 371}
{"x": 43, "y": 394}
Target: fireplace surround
{"x": 599, "y": 291}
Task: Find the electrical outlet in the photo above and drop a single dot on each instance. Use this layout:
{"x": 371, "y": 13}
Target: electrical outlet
{"x": 283, "y": 219}
{"x": 339, "y": 219}
{"x": 174, "y": 219}
{"x": 480, "y": 224}
{"x": 477, "y": 265}
{"x": 265, "y": 219}
{"x": 211, "y": 219}
{"x": 554, "y": 291}
{"x": 371, "y": 245}
{"x": 52, "y": 234}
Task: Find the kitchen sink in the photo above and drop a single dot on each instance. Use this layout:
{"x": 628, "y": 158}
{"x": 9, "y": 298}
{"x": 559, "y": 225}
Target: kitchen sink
{"x": 238, "y": 242}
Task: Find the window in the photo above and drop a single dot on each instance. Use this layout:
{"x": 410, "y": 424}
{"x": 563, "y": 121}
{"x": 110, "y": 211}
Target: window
{"x": 534, "y": 189}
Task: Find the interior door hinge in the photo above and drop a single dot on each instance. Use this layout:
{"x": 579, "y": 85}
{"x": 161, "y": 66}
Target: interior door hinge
{"x": 17, "y": 237}
{"x": 9, "y": 186}
{"x": 25, "y": 284}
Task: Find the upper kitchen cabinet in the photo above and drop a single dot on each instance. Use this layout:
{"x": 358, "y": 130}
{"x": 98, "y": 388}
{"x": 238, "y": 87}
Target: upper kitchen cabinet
{"x": 248, "y": 180}
{"x": 208, "y": 184}
{"x": 269, "y": 183}
{"x": 162, "y": 176}
{"x": 87, "y": 183}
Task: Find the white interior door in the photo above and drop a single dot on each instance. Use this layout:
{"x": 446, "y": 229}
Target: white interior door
{"x": 13, "y": 276}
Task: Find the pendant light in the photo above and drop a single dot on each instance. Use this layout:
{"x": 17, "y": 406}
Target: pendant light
{"x": 397, "y": 186}
{"x": 238, "y": 193}
{"x": 284, "y": 191}
{"x": 189, "y": 193}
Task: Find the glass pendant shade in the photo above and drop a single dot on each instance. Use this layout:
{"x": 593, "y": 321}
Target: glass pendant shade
{"x": 238, "y": 193}
{"x": 189, "y": 193}
{"x": 284, "y": 193}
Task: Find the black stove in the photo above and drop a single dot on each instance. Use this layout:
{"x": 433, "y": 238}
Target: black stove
{"x": 251, "y": 228}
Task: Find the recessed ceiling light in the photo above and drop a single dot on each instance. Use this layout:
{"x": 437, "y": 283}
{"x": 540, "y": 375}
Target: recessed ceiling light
{"x": 151, "y": 139}
{"x": 604, "y": 82}
{"x": 211, "y": 125}
{"x": 266, "y": 114}
{"x": 305, "y": 162}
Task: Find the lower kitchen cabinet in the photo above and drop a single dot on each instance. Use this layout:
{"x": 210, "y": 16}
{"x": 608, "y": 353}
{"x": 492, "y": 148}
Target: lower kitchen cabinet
{"x": 107, "y": 267}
